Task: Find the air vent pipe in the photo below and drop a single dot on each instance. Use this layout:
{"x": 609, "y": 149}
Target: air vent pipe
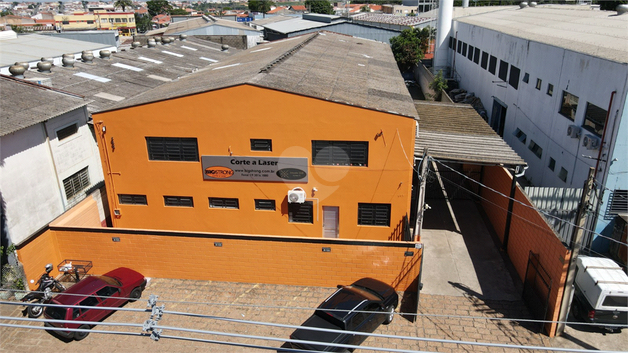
{"x": 17, "y": 71}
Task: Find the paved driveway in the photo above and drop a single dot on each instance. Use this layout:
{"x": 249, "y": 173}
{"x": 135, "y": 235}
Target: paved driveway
{"x": 276, "y": 304}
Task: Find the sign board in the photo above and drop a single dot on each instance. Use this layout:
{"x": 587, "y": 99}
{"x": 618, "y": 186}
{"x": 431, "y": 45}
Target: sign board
{"x": 244, "y": 19}
{"x": 286, "y": 169}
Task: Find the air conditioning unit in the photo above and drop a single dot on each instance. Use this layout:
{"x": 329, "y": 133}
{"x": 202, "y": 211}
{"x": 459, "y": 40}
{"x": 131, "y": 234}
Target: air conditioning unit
{"x": 296, "y": 195}
{"x": 591, "y": 142}
{"x": 573, "y": 131}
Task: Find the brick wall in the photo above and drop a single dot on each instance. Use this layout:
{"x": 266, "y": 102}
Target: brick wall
{"x": 529, "y": 232}
{"x": 252, "y": 259}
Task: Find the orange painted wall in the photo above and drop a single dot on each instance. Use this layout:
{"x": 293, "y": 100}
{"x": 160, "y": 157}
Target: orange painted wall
{"x": 528, "y": 232}
{"x": 224, "y": 121}
{"x": 251, "y": 259}
{"x": 36, "y": 253}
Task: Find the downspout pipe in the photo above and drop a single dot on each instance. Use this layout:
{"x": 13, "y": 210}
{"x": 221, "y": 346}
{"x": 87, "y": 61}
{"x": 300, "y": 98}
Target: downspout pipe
{"x": 511, "y": 202}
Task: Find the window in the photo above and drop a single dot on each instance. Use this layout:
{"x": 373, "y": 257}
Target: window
{"x": 503, "y": 70}
{"x": 374, "y": 214}
{"x": 301, "y": 212}
{"x": 562, "y": 175}
{"x": 65, "y": 22}
{"x": 464, "y": 49}
{"x": 352, "y": 153}
{"x": 615, "y": 301}
{"x": 90, "y": 22}
{"x": 484, "y": 62}
{"x": 261, "y": 145}
{"x": 179, "y": 201}
{"x": 124, "y": 20}
{"x": 470, "y": 53}
{"x": 536, "y": 149}
{"x": 67, "y": 132}
{"x": 552, "y": 164}
{"x": 118, "y": 20}
{"x": 218, "y": 202}
{"x": 172, "y": 149}
{"x": 459, "y": 47}
{"x": 539, "y": 82}
{"x": 514, "y": 77}
{"x": 594, "y": 119}
{"x": 89, "y": 301}
{"x": 526, "y": 77}
{"x": 451, "y": 41}
{"x": 111, "y": 20}
{"x": 476, "y": 56}
{"x": 106, "y": 292}
{"x": 268, "y": 205}
{"x": 128, "y": 199}
{"x": 569, "y": 106}
{"x": 550, "y": 89}
{"x": 76, "y": 183}
{"x": 618, "y": 202}
{"x": 520, "y": 135}
{"x": 492, "y": 65}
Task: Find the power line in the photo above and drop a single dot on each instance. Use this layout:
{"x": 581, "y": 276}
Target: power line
{"x": 519, "y": 202}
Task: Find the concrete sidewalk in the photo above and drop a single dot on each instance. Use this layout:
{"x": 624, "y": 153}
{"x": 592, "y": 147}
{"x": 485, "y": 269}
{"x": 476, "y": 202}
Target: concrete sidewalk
{"x": 276, "y": 304}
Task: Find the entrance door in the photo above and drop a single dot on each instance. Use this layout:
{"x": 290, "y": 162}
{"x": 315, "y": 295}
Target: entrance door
{"x": 498, "y": 117}
{"x": 330, "y": 222}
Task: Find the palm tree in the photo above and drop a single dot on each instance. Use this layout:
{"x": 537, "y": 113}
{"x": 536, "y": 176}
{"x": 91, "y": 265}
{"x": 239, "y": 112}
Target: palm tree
{"x": 123, "y": 4}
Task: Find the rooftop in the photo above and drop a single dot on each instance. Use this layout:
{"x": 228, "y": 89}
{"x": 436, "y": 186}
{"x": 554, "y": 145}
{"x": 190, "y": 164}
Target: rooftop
{"x": 128, "y": 73}
{"x": 391, "y": 19}
{"x": 200, "y": 22}
{"x": 17, "y": 114}
{"x": 309, "y": 21}
{"x": 322, "y": 65}
{"x": 601, "y": 34}
{"x": 456, "y": 132}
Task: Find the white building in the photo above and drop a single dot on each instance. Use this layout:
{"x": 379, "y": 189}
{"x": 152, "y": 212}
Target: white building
{"x": 49, "y": 159}
{"x": 554, "y": 82}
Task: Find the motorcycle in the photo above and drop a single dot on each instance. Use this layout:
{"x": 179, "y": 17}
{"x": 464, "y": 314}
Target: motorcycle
{"x": 43, "y": 294}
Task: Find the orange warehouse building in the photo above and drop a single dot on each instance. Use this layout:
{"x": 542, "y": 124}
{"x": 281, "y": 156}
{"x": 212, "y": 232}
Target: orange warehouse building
{"x": 307, "y": 137}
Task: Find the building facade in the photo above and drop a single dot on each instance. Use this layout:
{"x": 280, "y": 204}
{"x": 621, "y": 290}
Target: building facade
{"x": 123, "y": 22}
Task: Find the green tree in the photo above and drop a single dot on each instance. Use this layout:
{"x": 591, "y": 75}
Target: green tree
{"x": 142, "y": 23}
{"x": 123, "y": 4}
{"x": 262, "y": 6}
{"x": 438, "y": 85}
{"x": 156, "y": 7}
{"x": 319, "y": 6}
{"x": 178, "y": 12}
{"x": 61, "y": 7}
{"x": 410, "y": 46}
{"x": 5, "y": 13}
{"x": 365, "y": 8}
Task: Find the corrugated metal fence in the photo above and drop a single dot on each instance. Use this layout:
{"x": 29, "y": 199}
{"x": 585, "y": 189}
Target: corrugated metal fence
{"x": 560, "y": 208}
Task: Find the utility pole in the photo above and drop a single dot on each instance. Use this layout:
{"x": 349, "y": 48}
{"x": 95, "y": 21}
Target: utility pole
{"x": 575, "y": 245}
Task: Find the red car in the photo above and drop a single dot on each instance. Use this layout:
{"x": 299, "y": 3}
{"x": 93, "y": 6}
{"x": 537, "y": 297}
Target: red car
{"x": 109, "y": 290}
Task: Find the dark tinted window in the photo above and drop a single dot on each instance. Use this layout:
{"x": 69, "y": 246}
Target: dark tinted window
{"x": 374, "y": 214}
{"x": 514, "y": 76}
{"x": 106, "y": 291}
{"x": 470, "y": 52}
{"x": 503, "y": 70}
{"x": 67, "y": 132}
{"x": 569, "y": 105}
{"x": 128, "y": 199}
{"x": 218, "y": 202}
{"x": 484, "y": 63}
{"x": 464, "y": 49}
{"x": 56, "y": 313}
{"x": 352, "y": 153}
{"x": 181, "y": 201}
{"x": 492, "y": 65}
{"x": 172, "y": 149}
{"x": 89, "y": 301}
{"x": 301, "y": 212}
{"x": 594, "y": 119}
{"x": 265, "y": 205}
{"x": 476, "y": 56}
{"x": 261, "y": 145}
{"x": 615, "y": 301}
{"x": 459, "y": 47}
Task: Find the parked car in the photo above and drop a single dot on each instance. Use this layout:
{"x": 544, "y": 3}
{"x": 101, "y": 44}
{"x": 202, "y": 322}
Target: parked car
{"x": 109, "y": 290}
{"x": 361, "y": 306}
{"x": 600, "y": 293}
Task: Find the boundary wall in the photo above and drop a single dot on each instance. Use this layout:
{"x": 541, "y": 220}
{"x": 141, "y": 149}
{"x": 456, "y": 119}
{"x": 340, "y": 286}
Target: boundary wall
{"x": 529, "y": 232}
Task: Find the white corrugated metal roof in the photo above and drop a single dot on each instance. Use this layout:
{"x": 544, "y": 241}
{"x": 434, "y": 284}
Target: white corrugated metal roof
{"x": 295, "y": 25}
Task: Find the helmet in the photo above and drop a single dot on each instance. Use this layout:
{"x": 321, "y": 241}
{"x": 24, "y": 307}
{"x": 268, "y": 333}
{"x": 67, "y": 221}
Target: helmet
{"x": 48, "y": 268}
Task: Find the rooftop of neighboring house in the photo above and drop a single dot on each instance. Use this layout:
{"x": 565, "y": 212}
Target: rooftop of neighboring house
{"x": 298, "y": 8}
{"x": 200, "y": 22}
{"x": 391, "y": 19}
{"x": 127, "y": 73}
{"x": 308, "y": 21}
{"x": 598, "y": 33}
{"x": 340, "y": 69}
{"x": 272, "y": 19}
{"x": 22, "y": 112}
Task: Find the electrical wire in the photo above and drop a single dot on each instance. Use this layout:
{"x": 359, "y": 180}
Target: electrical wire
{"x": 520, "y": 202}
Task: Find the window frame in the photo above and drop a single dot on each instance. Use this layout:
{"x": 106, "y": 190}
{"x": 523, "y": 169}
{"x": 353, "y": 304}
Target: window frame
{"x": 373, "y": 208}
{"x": 476, "y": 55}
{"x": 484, "y": 61}
{"x": 230, "y": 203}
{"x": 513, "y": 77}
{"x": 155, "y": 151}
{"x": 539, "y": 84}
{"x": 536, "y": 149}
{"x": 503, "y": 70}
{"x": 590, "y": 124}
{"x": 62, "y": 132}
{"x": 295, "y": 214}
{"x": 551, "y": 164}
{"x": 492, "y": 64}
{"x": 526, "y": 78}
{"x": 563, "y": 174}
{"x": 259, "y": 145}
{"x": 618, "y": 202}
{"x": 569, "y": 111}
{"x": 260, "y": 207}
{"x": 354, "y": 158}
{"x": 181, "y": 201}
{"x": 132, "y": 199}
{"x": 550, "y": 89}
{"x": 77, "y": 182}
{"x": 470, "y": 52}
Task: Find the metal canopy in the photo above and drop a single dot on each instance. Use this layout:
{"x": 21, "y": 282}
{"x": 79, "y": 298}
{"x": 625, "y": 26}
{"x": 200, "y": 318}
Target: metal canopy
{"x": 456, "y": 132}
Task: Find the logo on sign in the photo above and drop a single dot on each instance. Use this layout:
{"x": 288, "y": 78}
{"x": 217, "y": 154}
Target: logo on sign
{"x": 291, "y": 174}
{"x": 219, "y": 172}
